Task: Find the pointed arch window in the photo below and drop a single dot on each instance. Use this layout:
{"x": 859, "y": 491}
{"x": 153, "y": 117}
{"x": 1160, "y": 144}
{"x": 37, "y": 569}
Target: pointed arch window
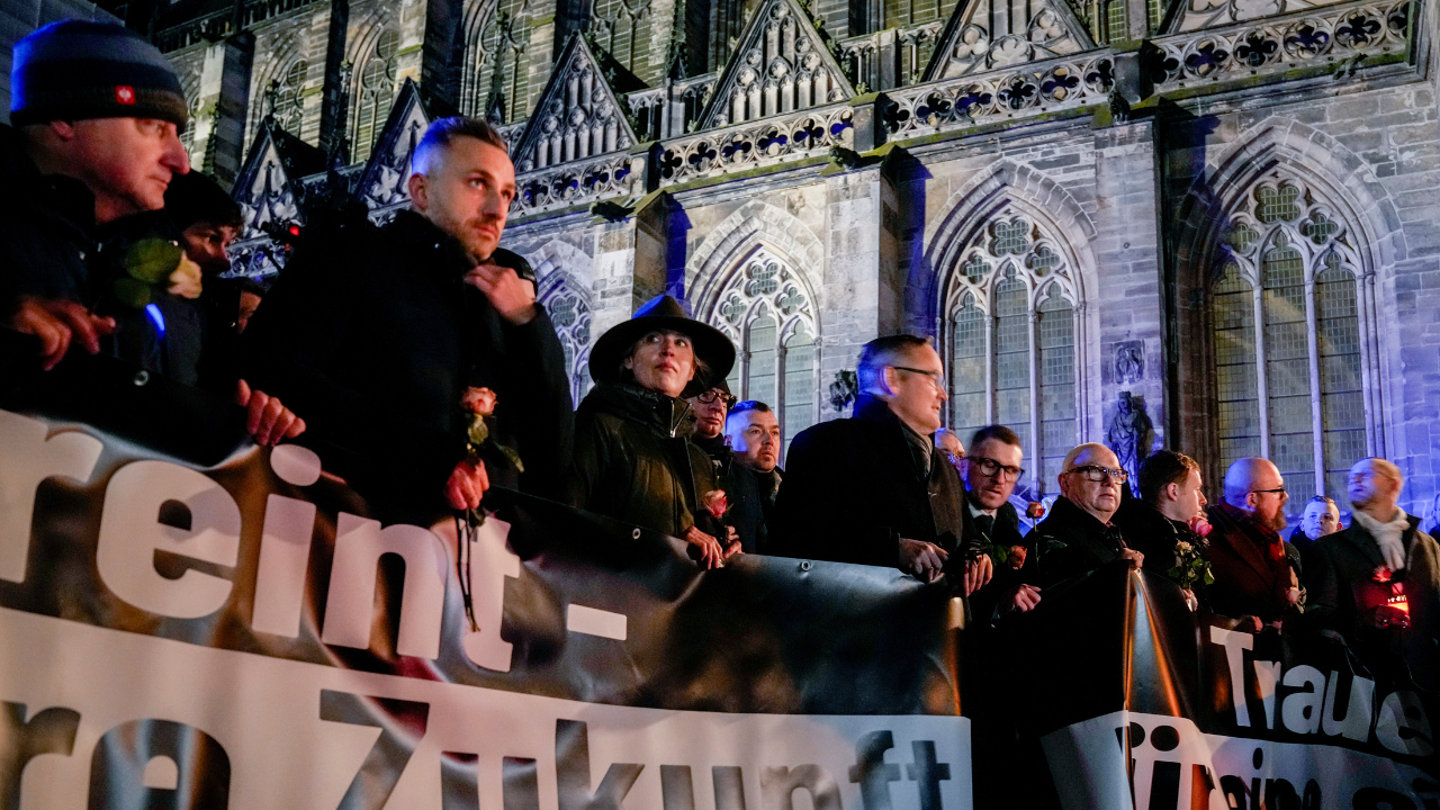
{"x": 1286, "y": 331}
{"x": 1011, "y": 341}
{"x": 375, "y": 92}
{"x": 570, "y": 313}
{"x": 767, "y": 311}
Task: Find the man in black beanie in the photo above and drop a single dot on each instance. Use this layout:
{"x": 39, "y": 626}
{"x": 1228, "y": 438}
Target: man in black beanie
{"x": 96, "y": 112}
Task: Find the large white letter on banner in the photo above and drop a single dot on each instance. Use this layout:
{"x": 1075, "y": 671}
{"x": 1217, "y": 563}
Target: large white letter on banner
{"x": 492, "y": 562}
{"x": 359, "y": 544}
{"x": 29, "y": 459}
{"x": 131, "y": 533}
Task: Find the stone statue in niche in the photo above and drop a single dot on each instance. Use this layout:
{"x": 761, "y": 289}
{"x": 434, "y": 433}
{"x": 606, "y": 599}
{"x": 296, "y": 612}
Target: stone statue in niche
{"x": 843, "y": 390}
{"x": 1130, "y": 433}
{"x": 1129, "y": 362}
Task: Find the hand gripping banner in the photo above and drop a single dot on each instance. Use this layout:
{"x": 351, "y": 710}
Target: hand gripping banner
{"x": 188, "y": 621}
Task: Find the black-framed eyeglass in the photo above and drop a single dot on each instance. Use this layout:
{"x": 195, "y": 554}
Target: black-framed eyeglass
{"x": 989, "y": 467}
{"x": 1275, "y": 491}
{"x": 710, "y": 396}
{"x": 937, "y": 377}
{"x": 1096, "y": 474}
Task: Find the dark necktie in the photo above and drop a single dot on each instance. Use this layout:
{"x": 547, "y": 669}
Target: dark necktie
{"x": 986, "y": 524}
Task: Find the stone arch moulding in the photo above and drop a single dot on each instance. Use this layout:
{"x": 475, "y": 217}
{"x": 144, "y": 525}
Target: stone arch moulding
{"x": 1347, "y": 185}
{"x": 556, "y": 263}
{"x": 725, "y": 248}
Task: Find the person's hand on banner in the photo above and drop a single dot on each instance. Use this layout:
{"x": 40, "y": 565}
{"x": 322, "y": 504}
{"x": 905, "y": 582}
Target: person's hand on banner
{"x": 59, "y": 323}
{"x": 926, "y": 561}
{"x": 266, "y": 420}
{"x": 1134, "y": 556}
{"x": 977, "y": 572}
{"x": 711, "y": 554}
{"x": 732, "y": 542}
{"x": 1249, "y": 624}
{"x": 1023, "y": 597}
{"x": 467, "y": 485}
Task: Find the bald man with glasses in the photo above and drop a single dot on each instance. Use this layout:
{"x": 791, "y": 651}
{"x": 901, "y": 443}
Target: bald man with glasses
{"x": 1257, "y": 573}
{"x": 1078, "y": 536}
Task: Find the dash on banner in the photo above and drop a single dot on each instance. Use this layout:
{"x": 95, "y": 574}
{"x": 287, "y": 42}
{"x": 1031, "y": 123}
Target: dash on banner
{"x": 595, "y": 622}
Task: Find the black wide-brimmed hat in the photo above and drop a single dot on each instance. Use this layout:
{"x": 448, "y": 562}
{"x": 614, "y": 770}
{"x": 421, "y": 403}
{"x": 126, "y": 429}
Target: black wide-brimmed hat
{"x": 663, "y": 312}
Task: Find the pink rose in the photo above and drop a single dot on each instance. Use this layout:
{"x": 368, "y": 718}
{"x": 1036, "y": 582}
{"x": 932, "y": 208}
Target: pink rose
{"x": 1200, "y": 526}
{"x": 715, "y": 503}
{"x": 479, "y": 401}
{"x": 1382, "y": 574}
{"x": 1017, "y": 557}
{"x": 1035, "y": 511}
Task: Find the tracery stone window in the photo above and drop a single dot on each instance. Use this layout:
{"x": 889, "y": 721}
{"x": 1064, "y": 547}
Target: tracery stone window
{"x": 375, "y": 92}
{"x": 768, "y": 313}
{"x": 570, "y": 313}
{"x": 1286, "y": 326}
{"x": 1011, "y": 332}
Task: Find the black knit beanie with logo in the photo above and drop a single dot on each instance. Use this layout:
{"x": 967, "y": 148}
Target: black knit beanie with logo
{"x": 75, "y": 69}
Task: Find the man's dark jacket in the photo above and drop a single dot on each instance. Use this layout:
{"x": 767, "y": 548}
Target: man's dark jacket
{"x": 1342, "y": 588}
{"x": 854, "y": 487}
{"x": 373, "y": 336}
{"x": 1070, "y": 542}
{"x": 1251, "y": 564}
{"x": 1153, "y": 534}
{"x": 634, "y": 462}
{"x": 751, "y": 493}
{"x": 47, "y": 231}
{"x": 1005, "y": 533}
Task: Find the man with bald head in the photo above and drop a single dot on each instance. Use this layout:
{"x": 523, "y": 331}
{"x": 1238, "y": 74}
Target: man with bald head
{"x": 1358, "y": 573}
{"x": 1078, "y": 536}
{"x": 1256, "y": 571}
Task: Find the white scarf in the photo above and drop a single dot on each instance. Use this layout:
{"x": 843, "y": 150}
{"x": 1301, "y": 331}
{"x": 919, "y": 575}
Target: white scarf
{"x": 1387, "y": 536}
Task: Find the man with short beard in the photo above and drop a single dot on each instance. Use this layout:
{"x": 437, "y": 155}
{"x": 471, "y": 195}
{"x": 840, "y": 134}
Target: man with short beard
{"x": 753, "y": 434}
{"x": 1358, "y": 574}
{"x": 381, "y": 335}
{"x": 1256, "y": 572}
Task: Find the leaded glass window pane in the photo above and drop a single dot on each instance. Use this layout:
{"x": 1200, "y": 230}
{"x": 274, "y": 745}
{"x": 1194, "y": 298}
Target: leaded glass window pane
{"x": 1342, "y": 400}
{"x": 1287, "y": 367}
{"x": 1232, "y": 312}
{"x": 762, "y": 360}
{"x": 376, "y": 93}
{"x": 1115, "y": 27}
{"x": 1012, "y": 357}
{"x": 800, "y": 387}
{"x": 967, "y": 370}
{"x": 1056, "y": 334}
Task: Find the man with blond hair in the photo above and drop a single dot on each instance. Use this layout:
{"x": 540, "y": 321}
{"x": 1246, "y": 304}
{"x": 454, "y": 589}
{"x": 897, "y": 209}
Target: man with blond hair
{"x": 1378, "y": 581}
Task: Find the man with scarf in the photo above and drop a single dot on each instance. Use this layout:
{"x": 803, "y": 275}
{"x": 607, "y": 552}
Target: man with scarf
{"x": 1256, "y": 572}
{"x": 873, "y": 489}
{"x": 1378, "y": 581}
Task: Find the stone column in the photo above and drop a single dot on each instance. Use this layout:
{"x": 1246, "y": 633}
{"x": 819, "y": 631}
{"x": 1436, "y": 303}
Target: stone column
{"x": 863, "y": 295}
{"x": 1129, "y": 295}
{"x": 223, "y": 105}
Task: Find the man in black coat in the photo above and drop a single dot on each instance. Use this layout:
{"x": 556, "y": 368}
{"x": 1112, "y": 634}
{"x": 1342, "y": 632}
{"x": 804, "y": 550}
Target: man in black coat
{"x": 752, "y": 433}
{"x": 1077, "y": 536}
{"x": 1169, "y": 511}
{"x": 873, "y": 489}
{"x": 378, "y": 335}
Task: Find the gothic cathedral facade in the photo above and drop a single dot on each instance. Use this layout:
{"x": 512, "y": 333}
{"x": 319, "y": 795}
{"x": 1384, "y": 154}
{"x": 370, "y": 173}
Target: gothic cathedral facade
{"x": 1208, "y": 225}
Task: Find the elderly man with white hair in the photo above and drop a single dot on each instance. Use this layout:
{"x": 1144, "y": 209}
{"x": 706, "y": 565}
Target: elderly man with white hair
{"x": 1378, "y": 581}
{"x": 1078, "y": 536}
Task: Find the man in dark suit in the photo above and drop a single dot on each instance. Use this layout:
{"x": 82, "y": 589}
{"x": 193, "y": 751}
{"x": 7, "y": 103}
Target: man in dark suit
{"x": 991, "y": 471}
{"x": 873, "y": 489}
{"x": 1256, "y": 572}
{"x": 1378, "y": 581}
{"x": 1077, "y": 536}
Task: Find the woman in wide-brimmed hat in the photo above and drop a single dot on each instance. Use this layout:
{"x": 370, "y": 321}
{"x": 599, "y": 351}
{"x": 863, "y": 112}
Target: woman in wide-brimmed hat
{"x": 632, "y": 459}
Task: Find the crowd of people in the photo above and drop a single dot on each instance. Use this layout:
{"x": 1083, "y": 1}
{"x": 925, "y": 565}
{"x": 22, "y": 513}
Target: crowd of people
{"x": 415, "y": 358}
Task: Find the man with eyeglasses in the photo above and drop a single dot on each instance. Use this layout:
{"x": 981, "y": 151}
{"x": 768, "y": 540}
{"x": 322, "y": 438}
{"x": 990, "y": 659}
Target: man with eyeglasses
{"x": 709, "y": 408}
{"x": 990, "y": 473}
{"x": 1078, "y": 536}
{"x": 1359, "y": 576}
{"x": 873, "y": 489}
{"x": 1256, "y": 571}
